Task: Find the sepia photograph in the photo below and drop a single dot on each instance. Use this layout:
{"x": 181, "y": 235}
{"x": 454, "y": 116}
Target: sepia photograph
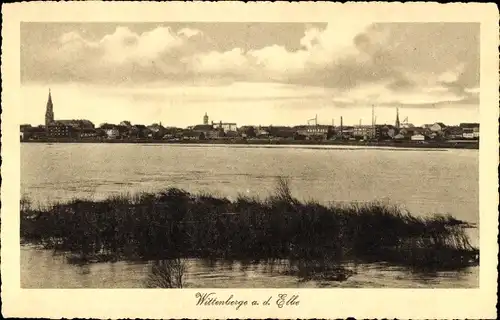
{"x": 282, "y": 154}
{"x": 249, "y": 155}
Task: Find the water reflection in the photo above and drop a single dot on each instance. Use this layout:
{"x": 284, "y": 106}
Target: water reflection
{"x": 274, "y": 273}
{"x": 167, "y": 273}
{"x": 43, "y": 269}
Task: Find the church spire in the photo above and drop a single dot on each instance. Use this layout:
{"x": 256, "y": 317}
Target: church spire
{"x": 49, "y": 112}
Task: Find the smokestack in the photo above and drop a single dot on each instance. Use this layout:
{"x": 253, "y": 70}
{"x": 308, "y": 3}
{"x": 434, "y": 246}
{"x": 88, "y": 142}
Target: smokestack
{"x": 341, "y": 127}
{"x": 373, "y": 121}
{"x": 398, "y": 124}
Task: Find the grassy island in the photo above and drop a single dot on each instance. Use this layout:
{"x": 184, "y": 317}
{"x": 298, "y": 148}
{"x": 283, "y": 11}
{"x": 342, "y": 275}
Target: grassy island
{"x": 175, "y": 224}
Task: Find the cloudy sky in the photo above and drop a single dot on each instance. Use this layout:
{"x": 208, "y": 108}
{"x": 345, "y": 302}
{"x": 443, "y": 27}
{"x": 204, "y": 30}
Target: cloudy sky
{"x": 251, "y": 73}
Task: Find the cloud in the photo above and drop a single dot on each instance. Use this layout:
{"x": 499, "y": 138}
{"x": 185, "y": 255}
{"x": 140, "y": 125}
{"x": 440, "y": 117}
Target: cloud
{"x": 472, "y": 90}
{"x": 188, "y": 32}
{"x": 381, "y": 95}
{"x": 358, "y": 61}
{"x": 452, "y": 76}
{"x": 310, "y": 38}
{"x": 124, "y": 46}
{"x": 276, "y": 62}
{"x": 236, "y": 92}
{"x": 233, "y": 61}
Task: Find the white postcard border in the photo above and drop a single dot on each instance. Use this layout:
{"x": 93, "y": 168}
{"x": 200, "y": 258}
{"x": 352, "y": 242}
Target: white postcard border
{"x": 180, "y": 303}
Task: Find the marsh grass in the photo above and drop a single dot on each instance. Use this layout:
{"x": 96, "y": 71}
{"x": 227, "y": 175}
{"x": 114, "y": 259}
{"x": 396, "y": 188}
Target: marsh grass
{"x": 167, "y": 274}
{"x": 174, "y": 223}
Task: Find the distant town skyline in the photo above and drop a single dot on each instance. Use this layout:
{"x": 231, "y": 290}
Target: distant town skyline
{"x": 251, "y": 73}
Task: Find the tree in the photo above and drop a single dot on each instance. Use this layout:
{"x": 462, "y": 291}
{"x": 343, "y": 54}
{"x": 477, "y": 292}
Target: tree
{"x": 250, "y": 132}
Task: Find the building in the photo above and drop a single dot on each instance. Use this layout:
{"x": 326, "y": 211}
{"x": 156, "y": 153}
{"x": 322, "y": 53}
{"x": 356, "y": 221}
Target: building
{"x": 232, "y": 134}
{"x": 437, "y": 127}
{"x": 385, "y": 132}
{"x": 315, "y": 131}
{"x": 475, "y": 131}
{"x": 226, "y": 126}
{"x": 124, "y": 131}
{"x": 24, "y": 131}
{"x": 192, "y": 135}
{"x": 407, "y": 125}
{"x": 63, "y": 128}
{"x": 468, "y": 135}
{"x": 88, "y": 134}
{"x": 417, "y": 137}
{"x": 399, "y": 136}
{"x": 453, "y": 132}
{"x": 262, "y": 132}
{"x": 470, "y": 130}
{"x": 138, "y": 131}
{"x": 247, "y": 131}
{"x": 408, "y": 132}
{"x": 281, "y": 132}
{"x": 203, "y": 128}
{"x": 32, "y": 133}
{"x": 156, "y": 131}
{"x": 205, "y": 119}
{"x": 363, "y": 131}
{"x": 60, "y": 130}
{"x": 346, "y": 132}
{"x": 77, "y": 124}
{"x": 391, "y": 132}
{"x": 126, "y": 123}
{"x": 208, "y": 131}
{"x": 216, "y": 133}
{"x": 172, "y": 133}
{"x": 112, "y": 133}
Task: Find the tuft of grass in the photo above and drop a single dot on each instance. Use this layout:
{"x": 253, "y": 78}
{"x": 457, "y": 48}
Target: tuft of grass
{"x": 167, "y": 274}
{"x": 174, "y": 223}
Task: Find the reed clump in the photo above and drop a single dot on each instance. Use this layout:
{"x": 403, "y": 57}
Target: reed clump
{"x": 167, "y": 274}
{"x": 174, "y": 223}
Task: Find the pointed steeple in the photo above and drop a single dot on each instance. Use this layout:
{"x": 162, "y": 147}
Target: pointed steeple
{"x": 49, "y": 102}
{"x": 49, "y": 112}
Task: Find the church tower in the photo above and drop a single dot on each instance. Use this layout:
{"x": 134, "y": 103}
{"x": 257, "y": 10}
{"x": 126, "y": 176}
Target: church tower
{"x": 205, "y": 118}
{"x": 49, "y": 113}
{"x": 398, "y": 124}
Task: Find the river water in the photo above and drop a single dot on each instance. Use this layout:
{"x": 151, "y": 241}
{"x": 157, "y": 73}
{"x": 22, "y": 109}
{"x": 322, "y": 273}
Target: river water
{"x": 423, "y": 181}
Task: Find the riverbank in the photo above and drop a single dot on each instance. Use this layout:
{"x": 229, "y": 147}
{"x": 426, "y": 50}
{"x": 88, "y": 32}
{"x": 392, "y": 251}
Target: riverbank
{"x": 176, "y": 224}
{"x": 458, "y": 144}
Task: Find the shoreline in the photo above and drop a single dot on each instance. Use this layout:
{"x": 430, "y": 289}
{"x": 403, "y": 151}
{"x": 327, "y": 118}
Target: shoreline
{"x": 473, "y": 145}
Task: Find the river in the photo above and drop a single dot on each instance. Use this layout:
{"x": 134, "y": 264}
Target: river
{"x": 423, "y": 181}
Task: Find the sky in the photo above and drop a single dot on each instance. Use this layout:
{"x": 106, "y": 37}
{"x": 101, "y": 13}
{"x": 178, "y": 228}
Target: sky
{"x": 251, "y": 73}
